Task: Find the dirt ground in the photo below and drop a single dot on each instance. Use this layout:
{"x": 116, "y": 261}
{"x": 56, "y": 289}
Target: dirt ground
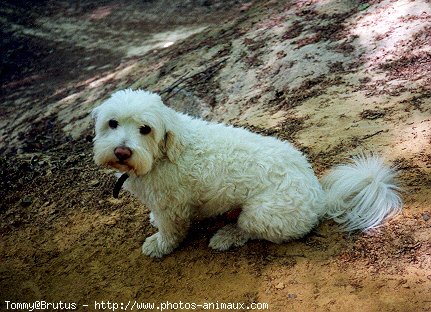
{"x": 333, "y": 77}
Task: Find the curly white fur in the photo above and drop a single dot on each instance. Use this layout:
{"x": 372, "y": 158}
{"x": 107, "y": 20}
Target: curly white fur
{"x": 187, "y": 168}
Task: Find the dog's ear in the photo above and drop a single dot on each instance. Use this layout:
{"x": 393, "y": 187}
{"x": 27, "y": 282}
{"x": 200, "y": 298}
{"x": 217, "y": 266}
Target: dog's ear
{"x": 95, "y": 112}
{"x": 173, "y": 146}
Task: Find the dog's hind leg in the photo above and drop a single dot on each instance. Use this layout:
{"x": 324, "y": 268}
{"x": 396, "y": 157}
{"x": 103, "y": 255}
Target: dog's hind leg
{"x": 253, "y": 223}
{"x": 276, "y": 221}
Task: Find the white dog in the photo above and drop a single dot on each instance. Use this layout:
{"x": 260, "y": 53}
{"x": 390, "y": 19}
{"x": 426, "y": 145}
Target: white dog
{"x": 184, "y": 168}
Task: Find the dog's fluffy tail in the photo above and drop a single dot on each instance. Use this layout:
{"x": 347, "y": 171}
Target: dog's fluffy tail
{"x": 361, "y": 194}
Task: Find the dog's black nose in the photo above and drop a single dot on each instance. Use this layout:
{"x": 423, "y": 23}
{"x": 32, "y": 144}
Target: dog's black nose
{"x": 123, "y": 153}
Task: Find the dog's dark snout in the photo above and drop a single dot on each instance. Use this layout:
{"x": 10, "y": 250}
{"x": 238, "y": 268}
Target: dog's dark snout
{"x": 123, "y": 153}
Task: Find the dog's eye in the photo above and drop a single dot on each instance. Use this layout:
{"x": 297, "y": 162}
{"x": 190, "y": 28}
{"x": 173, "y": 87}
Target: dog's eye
{"x": 113, "y": 124}
{"x": 144, "y": 130}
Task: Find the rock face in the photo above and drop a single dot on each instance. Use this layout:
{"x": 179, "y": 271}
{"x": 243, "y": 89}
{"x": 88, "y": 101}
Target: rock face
{"x": 332, "y": 77}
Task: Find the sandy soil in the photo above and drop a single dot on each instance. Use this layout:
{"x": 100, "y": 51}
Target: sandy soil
{"x": 333, "y": 77}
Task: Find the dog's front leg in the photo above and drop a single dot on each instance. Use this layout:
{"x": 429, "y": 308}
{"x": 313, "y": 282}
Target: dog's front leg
{"x": 172, "y": 231}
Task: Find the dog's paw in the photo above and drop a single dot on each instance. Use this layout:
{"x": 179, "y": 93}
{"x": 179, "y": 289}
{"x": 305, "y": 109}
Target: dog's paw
{"x": 227, "y": 237}
{"x": 155, "y": 246}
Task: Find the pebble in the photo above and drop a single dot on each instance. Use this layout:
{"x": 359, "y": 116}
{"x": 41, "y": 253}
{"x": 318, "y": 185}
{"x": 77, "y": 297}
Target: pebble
{"x": 94, "y": 183}
{"x": 279, "y": 286}
{"x": 111, "y": 221}
{"x": 25, "y": 202}
{"x": 426, "y": 216}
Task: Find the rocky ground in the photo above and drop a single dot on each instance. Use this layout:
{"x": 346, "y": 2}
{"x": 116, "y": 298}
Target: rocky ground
{"x": 333, "y": 77}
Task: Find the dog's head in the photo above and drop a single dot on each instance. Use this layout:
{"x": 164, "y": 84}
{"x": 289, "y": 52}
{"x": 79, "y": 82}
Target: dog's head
{"x": 134, "y": 129}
